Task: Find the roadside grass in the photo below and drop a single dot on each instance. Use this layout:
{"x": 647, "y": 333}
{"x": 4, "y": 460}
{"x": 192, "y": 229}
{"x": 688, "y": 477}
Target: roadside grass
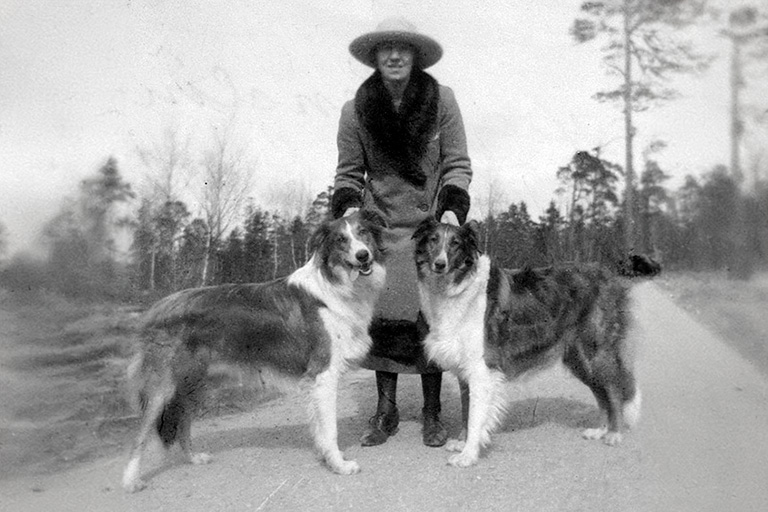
{"x": 735, "y": 310}
{"x": 65, "y": 365}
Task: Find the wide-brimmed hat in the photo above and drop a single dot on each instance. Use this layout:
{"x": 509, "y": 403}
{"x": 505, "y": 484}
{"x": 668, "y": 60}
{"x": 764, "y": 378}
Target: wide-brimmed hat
{"x": 396, "y": 30}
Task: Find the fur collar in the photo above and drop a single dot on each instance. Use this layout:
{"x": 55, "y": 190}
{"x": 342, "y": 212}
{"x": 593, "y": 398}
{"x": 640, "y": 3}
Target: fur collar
{"x": 403, "y": 136}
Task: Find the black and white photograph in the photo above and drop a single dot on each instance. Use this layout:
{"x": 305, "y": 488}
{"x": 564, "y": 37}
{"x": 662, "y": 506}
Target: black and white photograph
{"x": 399, "y": 255}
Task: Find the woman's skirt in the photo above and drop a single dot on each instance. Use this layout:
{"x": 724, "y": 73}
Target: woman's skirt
{"x": 397, "y": 328}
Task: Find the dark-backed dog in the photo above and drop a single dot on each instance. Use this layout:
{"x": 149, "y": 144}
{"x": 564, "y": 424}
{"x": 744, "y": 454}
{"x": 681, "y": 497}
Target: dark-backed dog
{"x": 490, "y": 326}
{"x": 309, "y": 326}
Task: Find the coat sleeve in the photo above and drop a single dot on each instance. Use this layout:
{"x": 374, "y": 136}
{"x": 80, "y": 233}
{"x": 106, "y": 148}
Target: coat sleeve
{"x": 349, "y": 182}
{"x": 455, "y": 166}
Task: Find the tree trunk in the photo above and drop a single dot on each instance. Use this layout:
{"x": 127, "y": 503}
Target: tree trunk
{"x": 152, "y": 258}
{"x": 275, "y": 259}
{"x": 294, "y": 261}
{"x": 735, "y": 113}
{"x": 572, "y": 226}
{"x": 629, "y": 176}
{"x": 206, "y": 261}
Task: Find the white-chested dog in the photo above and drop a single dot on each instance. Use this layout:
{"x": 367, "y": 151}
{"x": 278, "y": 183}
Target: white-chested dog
{"x": 309, "y": 326}
{"x": 490, "y": 326}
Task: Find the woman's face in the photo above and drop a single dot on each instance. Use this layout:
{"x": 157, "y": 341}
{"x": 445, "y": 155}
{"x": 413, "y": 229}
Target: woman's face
{"x": 395, "y": 61}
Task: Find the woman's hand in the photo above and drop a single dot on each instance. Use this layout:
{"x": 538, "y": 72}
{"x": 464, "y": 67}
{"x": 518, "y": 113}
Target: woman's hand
{"x": 350, "y": 211}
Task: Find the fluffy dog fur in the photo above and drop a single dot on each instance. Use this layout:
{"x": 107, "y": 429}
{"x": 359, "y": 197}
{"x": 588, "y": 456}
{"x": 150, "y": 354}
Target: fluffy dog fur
{"x": 309, "y": 326}
{"x": 490, "y": 326}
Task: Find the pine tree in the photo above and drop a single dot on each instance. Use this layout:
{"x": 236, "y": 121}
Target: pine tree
{"x": 645, "y": 47}
{"x": 82, "y": 252}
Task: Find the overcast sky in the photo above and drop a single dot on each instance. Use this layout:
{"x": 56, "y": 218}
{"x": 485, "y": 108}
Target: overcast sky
{"x": 83, "y": 80}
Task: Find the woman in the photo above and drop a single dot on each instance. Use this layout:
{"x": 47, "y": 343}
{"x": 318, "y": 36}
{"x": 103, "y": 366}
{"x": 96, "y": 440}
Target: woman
{"x": 402, "y": 153}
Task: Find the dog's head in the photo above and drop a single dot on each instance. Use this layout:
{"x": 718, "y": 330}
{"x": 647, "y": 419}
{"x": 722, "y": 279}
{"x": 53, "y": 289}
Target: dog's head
{"x": 446, "y": 250}
{"x": 350, "y": 244}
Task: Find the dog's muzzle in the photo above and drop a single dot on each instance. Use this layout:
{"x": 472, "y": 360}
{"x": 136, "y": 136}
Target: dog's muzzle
{"x": 364, "y": 262}
{"x": 440, "y": 266}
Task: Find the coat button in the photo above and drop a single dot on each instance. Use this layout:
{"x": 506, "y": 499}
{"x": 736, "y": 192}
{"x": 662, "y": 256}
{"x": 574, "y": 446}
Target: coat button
{"x": 423, "y": 207}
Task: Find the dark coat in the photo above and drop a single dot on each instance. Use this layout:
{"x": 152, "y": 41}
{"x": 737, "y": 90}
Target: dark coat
{"x": 407, "y": 165}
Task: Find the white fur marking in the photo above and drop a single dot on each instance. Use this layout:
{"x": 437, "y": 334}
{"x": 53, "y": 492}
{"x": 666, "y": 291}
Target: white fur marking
{"x": 595, "y": 433}
{"x": 200, "y": 458}
{"x": 131, "y": 480}
{"x": 632, "y": 409}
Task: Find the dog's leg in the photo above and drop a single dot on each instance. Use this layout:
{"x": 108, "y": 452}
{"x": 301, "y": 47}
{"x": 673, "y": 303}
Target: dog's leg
{"x": 624, "y": 403}
{"x": 597, "y": 432}
{"x": 456, "y": 445}
{"x": 132, "y": 481}
{"x": 601, "y": 396}
{"x": 601, "y": 376}
{"x": 619, "y": 400}
{"x": 615, "y": 417}
{"x": 483, "y": 415}
{"x": 185, "y": 441}
{"x": 323, "y": 418}
{"x": 609, "y": 399}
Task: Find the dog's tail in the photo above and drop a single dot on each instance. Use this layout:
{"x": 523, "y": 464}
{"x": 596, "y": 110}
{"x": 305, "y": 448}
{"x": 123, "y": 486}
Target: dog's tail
{"x": 639, "y": 265}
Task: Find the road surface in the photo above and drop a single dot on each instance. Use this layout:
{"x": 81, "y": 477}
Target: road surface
{"x": 701, "y": 445}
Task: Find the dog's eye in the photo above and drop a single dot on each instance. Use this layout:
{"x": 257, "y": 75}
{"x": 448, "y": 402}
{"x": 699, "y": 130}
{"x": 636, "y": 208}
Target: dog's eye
{"x": 362, "y": 231}
{"x": 454, "y": 243}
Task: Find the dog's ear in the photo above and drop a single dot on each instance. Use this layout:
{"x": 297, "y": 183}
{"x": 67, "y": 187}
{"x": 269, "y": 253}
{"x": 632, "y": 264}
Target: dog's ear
{"x": 318, "y": 238}
{"x": 376, "y": 224}
{"x": 424, "y": 227}
{"x": 473, "y": 225}
{"x": 470, "y": 232}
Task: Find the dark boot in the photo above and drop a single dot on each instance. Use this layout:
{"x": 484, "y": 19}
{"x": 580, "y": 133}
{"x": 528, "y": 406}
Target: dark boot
{"x": 384, "y": 423}
{"x": 433, "y": 432}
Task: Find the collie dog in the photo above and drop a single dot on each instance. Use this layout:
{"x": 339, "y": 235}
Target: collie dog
{"x": 309, "y": 326}
{"x": 490, "y": 326}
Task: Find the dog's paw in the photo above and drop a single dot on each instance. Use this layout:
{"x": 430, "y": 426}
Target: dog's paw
{"x": 612, "y": 438}
{"x": 200, "y": 458}
{"x": 462, "y": 460}
{"x": 346, "y": 467}
{"x": 594, "y": 433}
{"x": 135, "y": 485}
{"x": 455, "y": 445}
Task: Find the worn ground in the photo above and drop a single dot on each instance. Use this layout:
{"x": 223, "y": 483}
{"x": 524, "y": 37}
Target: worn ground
{"x": 701, "y": 443}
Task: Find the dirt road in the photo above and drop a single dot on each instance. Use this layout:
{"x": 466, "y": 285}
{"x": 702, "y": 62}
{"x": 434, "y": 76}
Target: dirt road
{"x": 702, "y": 444}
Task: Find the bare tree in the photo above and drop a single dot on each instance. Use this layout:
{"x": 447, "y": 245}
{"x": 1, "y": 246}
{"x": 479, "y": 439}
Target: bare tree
{"x": 170, "y": 169}
{"x": 169, "y": 166}
{"x": 289, "y": 199}
{"x": 491, "y": 204}
{"x": 226, "y": 178}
